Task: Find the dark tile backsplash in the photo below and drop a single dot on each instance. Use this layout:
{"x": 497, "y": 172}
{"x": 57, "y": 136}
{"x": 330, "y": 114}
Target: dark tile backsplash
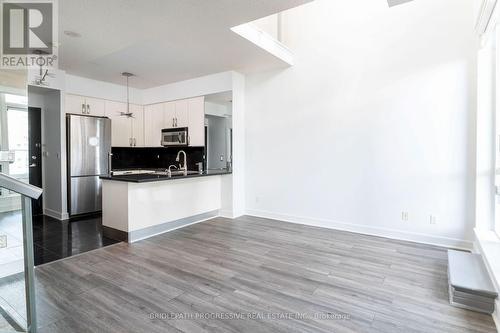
{"x": 154, "y": 158}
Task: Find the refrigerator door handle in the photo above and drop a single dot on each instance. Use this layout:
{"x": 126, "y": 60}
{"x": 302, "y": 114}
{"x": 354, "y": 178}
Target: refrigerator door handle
{"x": 110, "y": 155}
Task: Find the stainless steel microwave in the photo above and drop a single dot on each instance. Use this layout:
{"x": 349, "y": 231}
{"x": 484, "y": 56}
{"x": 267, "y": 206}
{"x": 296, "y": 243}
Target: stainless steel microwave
{"x": 174, "y": 136}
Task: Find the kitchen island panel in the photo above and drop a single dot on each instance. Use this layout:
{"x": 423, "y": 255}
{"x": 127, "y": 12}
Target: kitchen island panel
{"x": 150, "y": 208}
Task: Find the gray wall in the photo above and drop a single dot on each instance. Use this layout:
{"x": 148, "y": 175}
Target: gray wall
{"x": 217, "y": 144}
{"x": 50, "y": 102}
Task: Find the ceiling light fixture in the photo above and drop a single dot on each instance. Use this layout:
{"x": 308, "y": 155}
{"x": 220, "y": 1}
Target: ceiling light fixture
{"x": 127, "y": 114}
{"x": 70, "y": 33}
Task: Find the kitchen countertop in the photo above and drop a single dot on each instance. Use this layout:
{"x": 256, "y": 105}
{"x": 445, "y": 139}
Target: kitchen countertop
{"x": 151, "y": 177}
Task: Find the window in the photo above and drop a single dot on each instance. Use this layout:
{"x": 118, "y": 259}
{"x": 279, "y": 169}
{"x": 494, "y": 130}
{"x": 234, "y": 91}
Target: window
{"x": 16, "y": 100}
{"x": 488, "y": 134}
{"x": 17, "y": 122}
{"x": 14, "y": 137}
{"x": 494, "y": 69}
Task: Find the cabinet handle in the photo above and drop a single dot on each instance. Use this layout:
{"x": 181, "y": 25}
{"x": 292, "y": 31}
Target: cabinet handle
{"x": 130, "y": 141}
{"x": 88, "y": 109}
{"x": 135, "y": 142}
{"x": 83, "y": 108}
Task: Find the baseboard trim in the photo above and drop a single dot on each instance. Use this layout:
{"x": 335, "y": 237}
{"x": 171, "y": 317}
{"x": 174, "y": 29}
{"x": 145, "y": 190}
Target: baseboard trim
{"x": 55, "y": 214}
{"x": 496, "y": 315}
{"x": 366, "y": 230}
{"x": 137, "y": 235}
{"x": 115, "y": 234}
{"x": 226, "y": 213}
{"x": 230, "y": 214}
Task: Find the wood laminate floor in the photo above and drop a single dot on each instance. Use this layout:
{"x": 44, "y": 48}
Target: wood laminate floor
{"x": 283, "y": 277}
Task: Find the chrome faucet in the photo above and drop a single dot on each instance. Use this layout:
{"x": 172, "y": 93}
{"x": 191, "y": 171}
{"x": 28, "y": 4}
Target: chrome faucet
{"x": 169, "y": 171}
{"x": 178, "y": 158}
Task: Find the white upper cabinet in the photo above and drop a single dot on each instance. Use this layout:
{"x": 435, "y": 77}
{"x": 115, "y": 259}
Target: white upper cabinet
{"x": 175, "y": 114}
{"x": 144, "y": 128}
{"x": 125, "y": 131}
{"x": 181, "y": 113}
{"x": 75, "y": 104}
{"x": 196, "y": 121}
{"x": 95, "y": 106}
{"x": 121, "y": 126}
{"x": 137, "y": 125}
{"x": 153, "y": 124}
{"x": 169, "y": 115}
{"x": 84, "y": 105}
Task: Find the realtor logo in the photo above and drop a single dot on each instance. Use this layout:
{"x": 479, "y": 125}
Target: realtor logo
{"x": 28, "y": 33}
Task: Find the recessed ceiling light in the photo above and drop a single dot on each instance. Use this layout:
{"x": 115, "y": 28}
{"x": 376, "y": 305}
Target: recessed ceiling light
{"x": 72, "y": 34}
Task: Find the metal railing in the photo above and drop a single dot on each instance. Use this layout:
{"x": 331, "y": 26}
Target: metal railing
{"x": 27, "y": 192}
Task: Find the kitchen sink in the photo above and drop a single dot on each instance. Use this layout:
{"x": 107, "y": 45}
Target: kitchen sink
{"x": 175, "y": 173}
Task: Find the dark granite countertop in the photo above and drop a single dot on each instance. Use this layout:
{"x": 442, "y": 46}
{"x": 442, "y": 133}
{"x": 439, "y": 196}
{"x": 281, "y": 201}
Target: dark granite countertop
{"x": 147, "y": 178}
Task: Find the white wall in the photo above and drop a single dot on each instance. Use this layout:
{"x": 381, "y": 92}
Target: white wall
{"x": 205, "y": 85}
{"x": 375, "y": 118}
{"x": 216, "y": 142}
{"x": 486, "y": 143}
{"x": 100, "y": 89}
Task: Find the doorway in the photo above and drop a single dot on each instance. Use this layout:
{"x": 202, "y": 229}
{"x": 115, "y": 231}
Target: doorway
{"x": 35, "y": 155}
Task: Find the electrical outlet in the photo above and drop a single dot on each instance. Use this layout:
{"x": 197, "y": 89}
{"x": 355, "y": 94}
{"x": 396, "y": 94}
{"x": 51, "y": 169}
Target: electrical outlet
{"x": 404, "y": 216}
{"x": 433, "y": 219}
{"x": 3, "y": 241}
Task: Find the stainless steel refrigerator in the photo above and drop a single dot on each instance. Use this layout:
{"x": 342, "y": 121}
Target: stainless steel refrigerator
{"x": 89, "y": 151}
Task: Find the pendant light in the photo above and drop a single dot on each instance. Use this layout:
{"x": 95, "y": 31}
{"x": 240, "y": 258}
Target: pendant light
{"x": 127, "y": 114}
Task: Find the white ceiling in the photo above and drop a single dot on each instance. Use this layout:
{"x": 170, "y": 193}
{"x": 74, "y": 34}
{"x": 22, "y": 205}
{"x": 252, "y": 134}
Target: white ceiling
{"x": 161, "y": 41}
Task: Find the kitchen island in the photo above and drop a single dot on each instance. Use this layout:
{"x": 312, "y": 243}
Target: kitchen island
{"x": 139, "y": 206}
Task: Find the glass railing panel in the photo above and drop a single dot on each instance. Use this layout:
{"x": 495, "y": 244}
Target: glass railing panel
{"x": 17, "y": 310}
